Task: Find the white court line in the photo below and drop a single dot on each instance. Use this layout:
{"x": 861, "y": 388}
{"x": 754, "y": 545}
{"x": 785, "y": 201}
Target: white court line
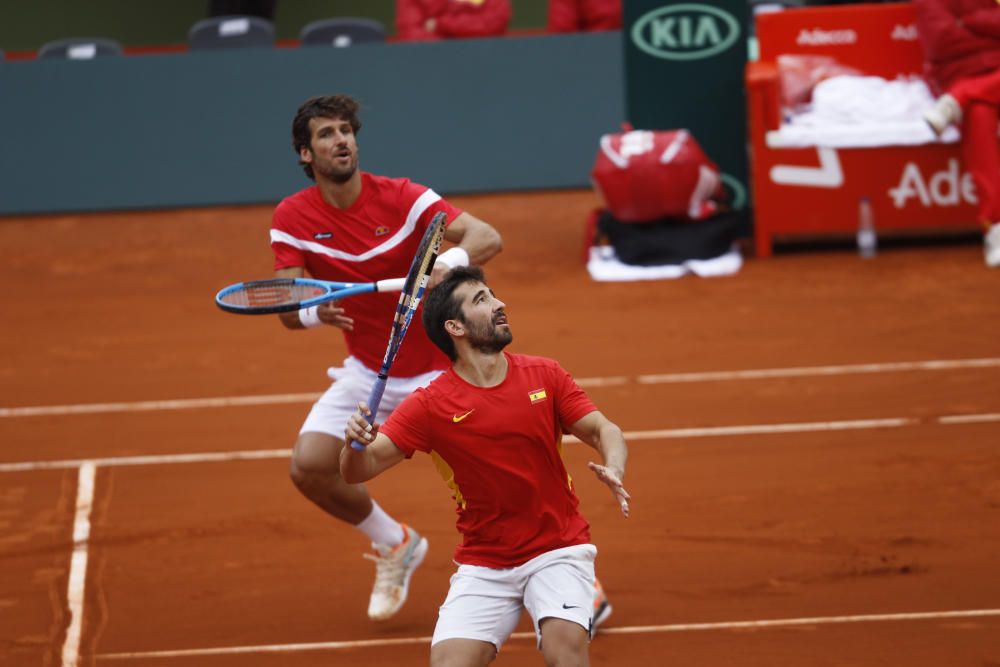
{"x": 663, "y": 434}
{"x": 669, "y": 378}
{"x": 78, "y": 562}
{"x": 807, "y": 371}
{"x": 149, "y": 460}
{"x": 147, "y": 406}
{"x": 970, "y": 419}
{"x": 644, "y": 629}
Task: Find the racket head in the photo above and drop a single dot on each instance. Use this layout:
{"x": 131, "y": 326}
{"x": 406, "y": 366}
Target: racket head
{"x": 414, "y": 286}
{"x": 276, "y": 295}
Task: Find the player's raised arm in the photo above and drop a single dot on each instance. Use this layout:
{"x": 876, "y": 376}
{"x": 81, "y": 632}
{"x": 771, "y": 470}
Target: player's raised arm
{"x": 476, "y": 242}
{"x": 379, "y": 452}
{"x": 604, "y": 435}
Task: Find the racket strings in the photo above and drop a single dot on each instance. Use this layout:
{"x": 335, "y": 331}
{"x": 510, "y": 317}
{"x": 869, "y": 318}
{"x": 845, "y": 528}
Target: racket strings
{"x": 274, "y": 293}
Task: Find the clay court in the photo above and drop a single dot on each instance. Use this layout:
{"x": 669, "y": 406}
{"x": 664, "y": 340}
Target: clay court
{"x": 815, "y": 453}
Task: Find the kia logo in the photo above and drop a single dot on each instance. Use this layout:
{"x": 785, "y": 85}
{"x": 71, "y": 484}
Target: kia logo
{"x": 685, "y": 32}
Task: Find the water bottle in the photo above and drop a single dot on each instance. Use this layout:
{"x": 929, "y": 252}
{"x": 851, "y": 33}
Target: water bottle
{"x": 867, "y": 240}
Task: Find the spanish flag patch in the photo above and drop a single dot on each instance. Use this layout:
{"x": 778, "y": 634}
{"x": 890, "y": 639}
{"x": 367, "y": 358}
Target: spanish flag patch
{"x": 537, "y": 395}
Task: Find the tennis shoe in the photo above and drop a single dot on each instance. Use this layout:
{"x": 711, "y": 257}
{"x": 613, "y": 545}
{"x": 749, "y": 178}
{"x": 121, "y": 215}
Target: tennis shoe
{"x": 602, "y": 608}
{"x": 945, "y": 112}
{"x": 991, "y": 246}
{"x": 393, "y": 568}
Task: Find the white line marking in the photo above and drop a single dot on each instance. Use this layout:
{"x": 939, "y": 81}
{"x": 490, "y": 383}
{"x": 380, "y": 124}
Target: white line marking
{"x": 970, "y": 419}
{"x": 807, "y": 371}
{"x": 663, "y": 434}
{"x": 251, "y": 454}
{"x": 78, "y": 562}
{"x": 613, "y": 381}
{"x": 667, "y": 378}
{"x": 146, "y": 406}
{"x": 644, "y": 629}
{"x": 791, "y": 622}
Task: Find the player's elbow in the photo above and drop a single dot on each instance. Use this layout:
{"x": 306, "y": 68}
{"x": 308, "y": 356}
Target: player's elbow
{"x": 494, "y": 242}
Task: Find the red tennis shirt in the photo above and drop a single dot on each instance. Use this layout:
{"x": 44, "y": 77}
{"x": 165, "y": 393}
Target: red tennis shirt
{"x": 499, "y": 449}
{"x": 374, "y": 239}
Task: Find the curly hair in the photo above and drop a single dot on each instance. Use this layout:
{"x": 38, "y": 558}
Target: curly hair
{"x": 327, "y": 106}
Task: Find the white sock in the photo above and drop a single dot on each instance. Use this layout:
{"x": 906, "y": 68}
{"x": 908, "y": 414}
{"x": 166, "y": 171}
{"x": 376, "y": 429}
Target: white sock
{"x": 381, "y": 528}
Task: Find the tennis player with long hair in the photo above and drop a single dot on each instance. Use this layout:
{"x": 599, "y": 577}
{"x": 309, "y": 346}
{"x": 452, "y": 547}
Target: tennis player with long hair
{"x": 494, "y": 422}
{"x": 355, "y": 226}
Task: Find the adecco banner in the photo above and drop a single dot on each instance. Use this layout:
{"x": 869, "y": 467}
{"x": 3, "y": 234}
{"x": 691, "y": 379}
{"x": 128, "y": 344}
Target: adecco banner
{"x": 684, "y": 67}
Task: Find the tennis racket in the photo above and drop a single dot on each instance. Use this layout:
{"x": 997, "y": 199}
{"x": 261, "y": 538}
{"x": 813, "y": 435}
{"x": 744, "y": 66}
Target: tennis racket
{"x": 279, "y": 295}
{"x": 413, "y": 291}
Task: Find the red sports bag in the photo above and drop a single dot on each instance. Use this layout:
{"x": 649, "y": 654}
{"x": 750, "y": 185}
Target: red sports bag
{"x": 644, "y": 176}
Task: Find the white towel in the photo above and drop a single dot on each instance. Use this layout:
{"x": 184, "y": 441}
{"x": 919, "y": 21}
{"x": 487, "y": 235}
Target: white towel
{"x": 604, "y": 266}
{"x": 862, "y": 112}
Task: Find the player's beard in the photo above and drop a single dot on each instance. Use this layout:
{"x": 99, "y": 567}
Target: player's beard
{"x": 340, "y": 175}
{"x": 488, "y": 338}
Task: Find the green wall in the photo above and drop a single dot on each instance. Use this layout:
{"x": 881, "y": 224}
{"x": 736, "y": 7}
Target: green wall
{"x": 205, "y": 128}
{"x": 27, "y": 24}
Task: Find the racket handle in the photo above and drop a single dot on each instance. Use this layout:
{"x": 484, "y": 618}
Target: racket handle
{"x": 390, "y": 285}
{"x": 374, "y": 398}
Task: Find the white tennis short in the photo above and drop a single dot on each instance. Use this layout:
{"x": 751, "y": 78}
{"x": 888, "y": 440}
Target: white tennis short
{"x": 351, "y": 384}
{"x": 485, "y": 603}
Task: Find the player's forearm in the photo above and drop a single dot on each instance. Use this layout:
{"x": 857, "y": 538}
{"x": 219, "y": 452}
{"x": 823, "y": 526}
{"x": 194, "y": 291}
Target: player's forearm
{"x": 611, "y": 444}
{"x": 291, "y": 320}
{"x": 481, "y": 242}
{"x": 355, "y": 466}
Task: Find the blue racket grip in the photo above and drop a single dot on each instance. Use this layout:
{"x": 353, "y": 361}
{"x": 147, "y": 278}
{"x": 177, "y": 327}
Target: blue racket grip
{"x": 374, "y": 398}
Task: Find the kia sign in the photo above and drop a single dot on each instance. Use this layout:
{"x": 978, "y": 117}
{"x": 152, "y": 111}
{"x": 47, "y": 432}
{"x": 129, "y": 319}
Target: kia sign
{"x": 685, "y": 32}
{"x": 684, "y": 65}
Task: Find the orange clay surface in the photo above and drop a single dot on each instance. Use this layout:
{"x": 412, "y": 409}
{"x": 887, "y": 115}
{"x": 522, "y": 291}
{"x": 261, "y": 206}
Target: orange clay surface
{"x": 848, "y": 528}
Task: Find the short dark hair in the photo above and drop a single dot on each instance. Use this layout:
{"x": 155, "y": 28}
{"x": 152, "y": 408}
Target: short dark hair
{"x": 441, "y": 306}
{"x": 327, "y": 106}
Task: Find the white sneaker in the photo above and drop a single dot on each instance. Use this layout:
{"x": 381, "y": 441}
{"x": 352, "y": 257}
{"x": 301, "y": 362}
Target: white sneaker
{"x": 991, "y": 246}
{"x": 602, "y": 608}
{"x": 393, "y": 569}
{"x": 945, "y": 112}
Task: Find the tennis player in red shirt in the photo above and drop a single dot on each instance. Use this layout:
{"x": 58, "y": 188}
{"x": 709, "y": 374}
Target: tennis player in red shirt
{"x": 358, "y": 227}
{"x": 493, "y": 423}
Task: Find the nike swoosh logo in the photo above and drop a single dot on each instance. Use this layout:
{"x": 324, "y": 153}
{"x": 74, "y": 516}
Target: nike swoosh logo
{"x": 458, "y": 418}
{"x": 569, "y": 606}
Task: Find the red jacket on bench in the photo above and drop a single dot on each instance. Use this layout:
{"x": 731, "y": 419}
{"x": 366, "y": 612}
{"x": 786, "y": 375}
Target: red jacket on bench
{"x": 960, "y": 37}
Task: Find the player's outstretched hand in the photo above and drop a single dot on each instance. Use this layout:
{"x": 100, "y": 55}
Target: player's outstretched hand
{"x": 331, "y": 313}
{"x": 614, "y": 482}
{"x": 358, "y": 429}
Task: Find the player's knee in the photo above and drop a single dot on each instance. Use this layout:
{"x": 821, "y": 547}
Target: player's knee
{"x": 462, "y": 653}
{"x": 314, "y": 455}
{"x": 564, "y": 644}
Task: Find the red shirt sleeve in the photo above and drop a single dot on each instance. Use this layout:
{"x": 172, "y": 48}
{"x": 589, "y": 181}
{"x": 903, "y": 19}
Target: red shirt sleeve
{"x": 285, "y": 256}
{"x": 573, "y": 404}
{"x": 409, "y": 425}
{"x": 410, "y": 192}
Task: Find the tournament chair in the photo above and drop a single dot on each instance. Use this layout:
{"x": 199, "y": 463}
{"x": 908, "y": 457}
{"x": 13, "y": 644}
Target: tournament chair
{"x": 342, "y": 32}
{"x": 80, "y": 48}
{"x": 227, "y": 32}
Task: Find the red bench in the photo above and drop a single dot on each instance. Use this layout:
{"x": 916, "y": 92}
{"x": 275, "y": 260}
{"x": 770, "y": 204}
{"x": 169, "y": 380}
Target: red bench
{"x": 816, "y": 190}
